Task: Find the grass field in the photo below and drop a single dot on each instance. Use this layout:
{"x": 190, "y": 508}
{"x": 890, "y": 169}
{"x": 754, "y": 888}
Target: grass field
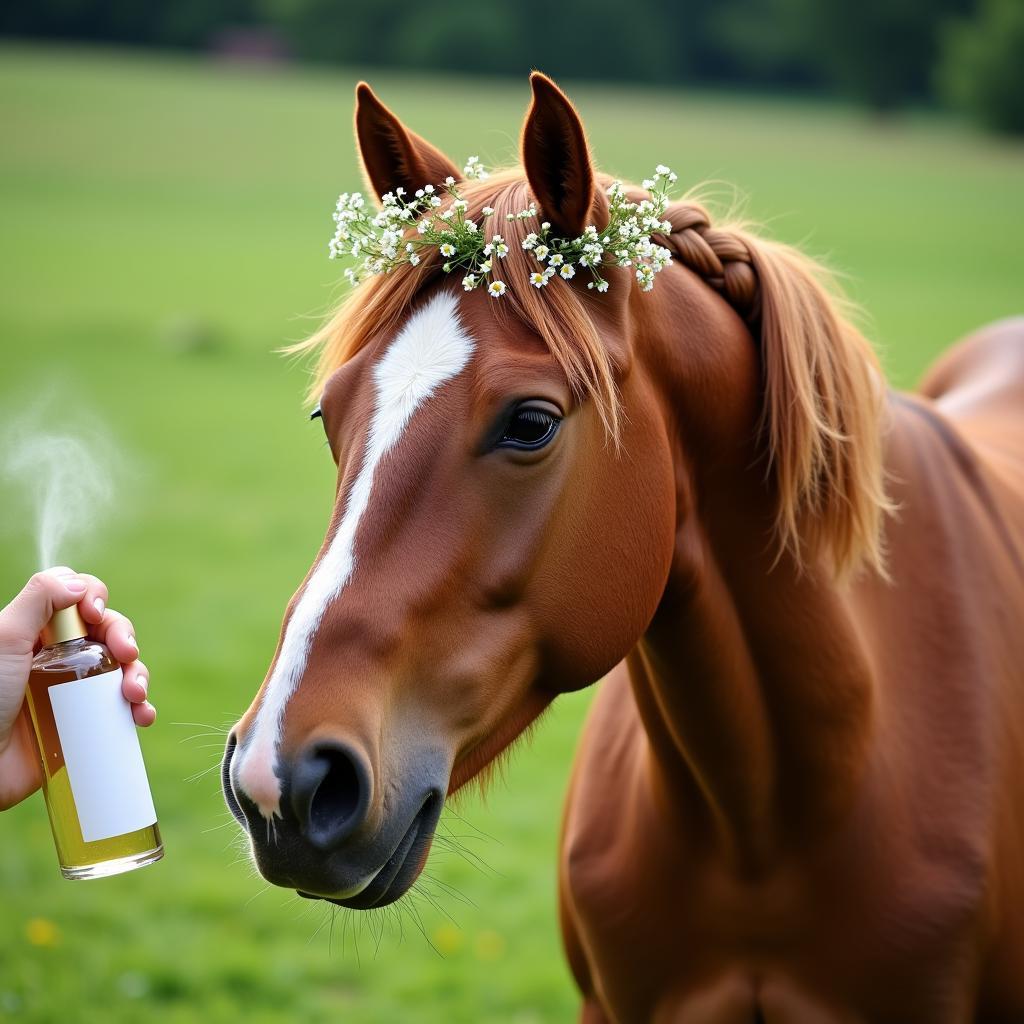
{"x": 148, "y": 201}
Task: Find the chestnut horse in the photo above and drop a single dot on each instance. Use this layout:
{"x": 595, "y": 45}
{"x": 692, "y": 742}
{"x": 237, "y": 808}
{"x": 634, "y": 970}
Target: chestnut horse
{"x": 798, "y": 795}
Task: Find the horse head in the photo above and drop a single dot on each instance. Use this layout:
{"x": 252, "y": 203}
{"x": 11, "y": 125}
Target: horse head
{"x": 516, "y": 483}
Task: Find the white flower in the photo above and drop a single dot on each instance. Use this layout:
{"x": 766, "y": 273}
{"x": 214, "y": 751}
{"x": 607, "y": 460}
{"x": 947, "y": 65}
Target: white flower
{"x": 541, "y": 252}
{"x": 449, "y": 180}
{"x": 501, "y": 249}
{"x": 419, "y": 193}
{"x": 470, "y": 226}
{"x": 661, "y": 169}
{"x": 459, "y": 205}
{"x": 556, "y": 259}
{"x": 414, "y": 259}
{"x": 567, "y": 272}
{"x": 428, "y": 188}
{"x": 424, "y": 226}
{"x": 469, "y": 282}
{"x": 530, "y": 241}
{"x": 496, "y": 289}
{"x": 446, "y": 215}
{"x": 485, "y": 267}
{"x": 435, "y": 200}
{"x": 602, "y": 286}
{"x": 474, "y": 169}
{"x": 447, "y": 249}
{"x": 487, "y": 211}
{"x": 545, "y": 225}
{"x": 538, "y": 279}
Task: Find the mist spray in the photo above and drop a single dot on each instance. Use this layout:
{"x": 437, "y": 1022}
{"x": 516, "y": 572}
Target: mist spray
{"x": 94, "y": 779}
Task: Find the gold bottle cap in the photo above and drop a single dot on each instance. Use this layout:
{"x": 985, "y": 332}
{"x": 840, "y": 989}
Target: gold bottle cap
{"x": 67, "y": 624}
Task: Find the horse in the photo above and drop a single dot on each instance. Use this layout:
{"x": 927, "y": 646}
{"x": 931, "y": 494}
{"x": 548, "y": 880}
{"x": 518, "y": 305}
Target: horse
{"x": 796, "y": 797}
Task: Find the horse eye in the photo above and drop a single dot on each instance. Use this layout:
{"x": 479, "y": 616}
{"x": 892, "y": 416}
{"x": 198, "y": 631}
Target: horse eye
{"x": 529, "y": 428}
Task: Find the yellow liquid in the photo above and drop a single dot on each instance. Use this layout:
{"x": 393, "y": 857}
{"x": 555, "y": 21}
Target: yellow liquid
{"x": 62, "y": 663}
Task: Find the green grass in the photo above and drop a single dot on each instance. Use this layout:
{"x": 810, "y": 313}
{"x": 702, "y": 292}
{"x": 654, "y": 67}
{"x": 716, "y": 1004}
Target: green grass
{"x": 139, "y": 192}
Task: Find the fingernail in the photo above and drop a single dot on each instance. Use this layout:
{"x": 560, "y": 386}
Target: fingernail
{"x": 76, "y": 586}
{"x": 144, "y": 683}
{"x": 132, "y": 642}
{"x": 99, "y": 605}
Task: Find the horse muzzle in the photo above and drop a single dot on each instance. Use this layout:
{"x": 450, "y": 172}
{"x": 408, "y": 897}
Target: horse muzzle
{"x": 324, "y": 841}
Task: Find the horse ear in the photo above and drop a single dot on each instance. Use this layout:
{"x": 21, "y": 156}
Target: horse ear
{"x": 392, "y": 155}
{"x": 557, "y": 160}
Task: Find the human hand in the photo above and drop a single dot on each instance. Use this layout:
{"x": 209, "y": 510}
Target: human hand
{"x": 20, "y": 625}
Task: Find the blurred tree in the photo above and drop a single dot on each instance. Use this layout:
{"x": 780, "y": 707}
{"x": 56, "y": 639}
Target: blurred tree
{"x": 882, "y": 52}
{"x": 982, "y": 69}
{"x": 575, "y": 38}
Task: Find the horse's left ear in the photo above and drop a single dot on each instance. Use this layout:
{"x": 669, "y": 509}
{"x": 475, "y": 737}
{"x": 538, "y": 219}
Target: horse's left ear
{"x": 557, "y": 160}
{"x": 392, "y": 155}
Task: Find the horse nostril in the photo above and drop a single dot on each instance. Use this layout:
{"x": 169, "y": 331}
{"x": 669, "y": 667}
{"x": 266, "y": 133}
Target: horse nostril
{"x": 330, "y": 793}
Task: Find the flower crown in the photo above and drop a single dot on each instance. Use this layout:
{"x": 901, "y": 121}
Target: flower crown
{"x": 379, "y": 239}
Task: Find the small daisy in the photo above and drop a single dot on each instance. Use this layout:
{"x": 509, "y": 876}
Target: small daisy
{"x": 541, "y": 252}
{"x": 538, "y": 279}
{"x": 469, "y": 282}
{"x": 496, "y": 289}
{"x": 447, "y": 249}
{"x": 567, "y": 272}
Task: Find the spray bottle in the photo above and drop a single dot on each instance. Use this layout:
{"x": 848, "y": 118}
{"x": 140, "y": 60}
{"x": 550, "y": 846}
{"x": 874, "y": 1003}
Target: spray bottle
{"x": 94, "y": 779}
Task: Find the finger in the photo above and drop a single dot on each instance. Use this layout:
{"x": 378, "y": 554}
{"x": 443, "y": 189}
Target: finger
{"x": 135, "y": 684}
{"x": 144, "y": 714}
{"x": 24, "y": 618}
{"x": 94, "y": 603}
{"x": 118, "y": 633}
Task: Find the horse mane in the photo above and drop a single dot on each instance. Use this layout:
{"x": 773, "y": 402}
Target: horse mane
{"x": 822, "y": 387}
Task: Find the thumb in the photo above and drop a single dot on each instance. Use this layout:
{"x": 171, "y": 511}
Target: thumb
{"x": 24, "y": 618}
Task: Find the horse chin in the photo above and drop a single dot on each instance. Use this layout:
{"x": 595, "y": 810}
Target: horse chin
{"x": 399, "y": 873}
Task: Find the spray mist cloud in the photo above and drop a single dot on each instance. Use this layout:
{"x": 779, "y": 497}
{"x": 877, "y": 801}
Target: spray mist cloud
{"x": 59, "y": 468}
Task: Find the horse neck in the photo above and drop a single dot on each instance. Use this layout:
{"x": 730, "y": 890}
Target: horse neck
{"x": 751, "y": 681}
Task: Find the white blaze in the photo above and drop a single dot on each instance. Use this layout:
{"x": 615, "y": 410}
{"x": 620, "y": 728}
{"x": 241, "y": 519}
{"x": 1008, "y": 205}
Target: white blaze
{"x": 431, "y": 348}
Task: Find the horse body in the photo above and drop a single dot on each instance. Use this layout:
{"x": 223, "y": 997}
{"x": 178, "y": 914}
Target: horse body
{"x": 887, "y": 885}
{"x": 795, "y": 796}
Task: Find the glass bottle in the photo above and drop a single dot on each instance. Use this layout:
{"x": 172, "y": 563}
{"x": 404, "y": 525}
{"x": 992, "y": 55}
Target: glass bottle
{"x": 94, "y": 779}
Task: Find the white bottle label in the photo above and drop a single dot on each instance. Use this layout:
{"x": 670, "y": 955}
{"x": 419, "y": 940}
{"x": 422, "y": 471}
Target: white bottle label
{"x": 103, "y": 756}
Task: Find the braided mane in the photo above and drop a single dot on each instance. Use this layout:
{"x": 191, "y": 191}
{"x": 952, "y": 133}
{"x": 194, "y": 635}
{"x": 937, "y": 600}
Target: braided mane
{"x": 821, "y": 414}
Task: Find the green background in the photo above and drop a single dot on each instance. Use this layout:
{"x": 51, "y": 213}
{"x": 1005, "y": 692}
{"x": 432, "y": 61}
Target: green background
{"x": 165, "y": 225}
